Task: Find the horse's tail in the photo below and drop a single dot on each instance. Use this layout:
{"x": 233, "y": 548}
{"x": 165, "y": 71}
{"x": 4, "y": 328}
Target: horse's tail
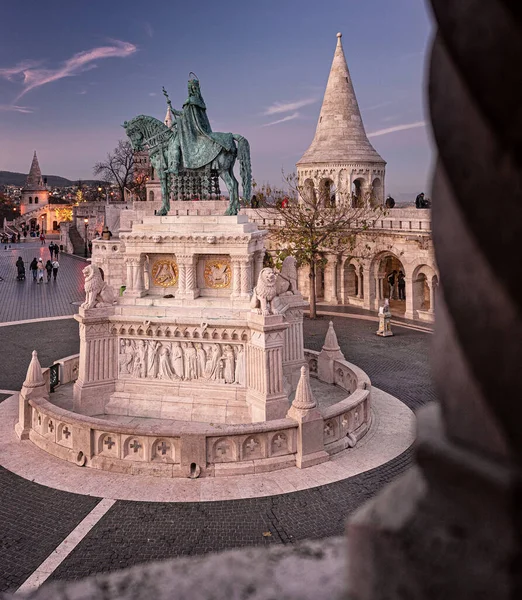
{"x": 245, "y": 168}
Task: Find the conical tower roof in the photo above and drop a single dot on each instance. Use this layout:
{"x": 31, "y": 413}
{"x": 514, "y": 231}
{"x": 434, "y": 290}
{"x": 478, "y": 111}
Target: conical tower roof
{"x": 34, "y": 179}
{"x": 340, "y": 134}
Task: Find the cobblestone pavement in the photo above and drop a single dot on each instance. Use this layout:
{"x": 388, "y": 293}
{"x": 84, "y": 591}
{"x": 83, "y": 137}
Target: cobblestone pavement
{"x": 35, "y": 519}
{"x": 21, "y": 300}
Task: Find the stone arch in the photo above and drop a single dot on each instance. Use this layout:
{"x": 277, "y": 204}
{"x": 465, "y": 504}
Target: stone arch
{"x": 327, "y": 192}
{"x": 382, "y": 265}
{"x": 377, "y": 192}
{"x": 352, "y": 283}
{"x": 357, "y": 191}
{"x": 423, "y": 291}
{"x": 308, "y": 191}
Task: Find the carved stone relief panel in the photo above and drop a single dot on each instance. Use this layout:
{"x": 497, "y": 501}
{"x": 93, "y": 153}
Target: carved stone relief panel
{"x": 163, "y": 271}
{"x": 182, "y": 360}
{"x": 215, "y": 275}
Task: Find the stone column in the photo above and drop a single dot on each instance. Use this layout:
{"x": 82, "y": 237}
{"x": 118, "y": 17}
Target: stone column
{"x": 264, "y": 368}
{"x": 259, "y": 256}
{"x": 98, "y": 366}
{"x": 409, "y": 314}
{"x": 432, "y": 297}
{"x": 236, "y": 277}
{"x": 360, "y": 287}
{"x": 246, "y": 276}
{"x": 135, "y": 282}
{"x": 367, "y": 299}
{"x": 189, "y": 263}
{"x": 451, "y": 527}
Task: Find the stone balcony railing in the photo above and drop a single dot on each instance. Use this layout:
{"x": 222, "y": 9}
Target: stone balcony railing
{"x": 222, "y": 449}
{"x": 407, "y": 220}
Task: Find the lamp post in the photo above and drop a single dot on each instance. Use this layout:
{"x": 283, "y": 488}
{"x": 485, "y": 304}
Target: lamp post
{"x": 86, "y": 221}
{"x": 42, "y": 228}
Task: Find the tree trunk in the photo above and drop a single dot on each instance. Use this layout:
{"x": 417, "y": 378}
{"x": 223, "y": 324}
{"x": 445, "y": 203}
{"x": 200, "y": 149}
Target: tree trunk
{"x": 313, "y": 299}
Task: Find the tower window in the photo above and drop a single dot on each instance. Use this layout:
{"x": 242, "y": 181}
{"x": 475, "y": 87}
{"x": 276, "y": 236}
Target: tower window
{"x": 30, "y": 199}
{"x": 36, "y": 199}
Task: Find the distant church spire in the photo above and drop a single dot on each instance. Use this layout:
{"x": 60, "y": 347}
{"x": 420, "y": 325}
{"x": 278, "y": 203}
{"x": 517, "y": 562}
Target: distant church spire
{"x": 340, "y": 134}
{"x": 34, "y": 179}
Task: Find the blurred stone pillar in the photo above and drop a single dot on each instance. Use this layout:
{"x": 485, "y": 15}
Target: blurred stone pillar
{"x": 452, "y": 526}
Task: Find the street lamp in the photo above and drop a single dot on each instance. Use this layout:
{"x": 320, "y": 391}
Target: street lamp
{"x": 86, "y": 221}
{"x": 42, "y": 230}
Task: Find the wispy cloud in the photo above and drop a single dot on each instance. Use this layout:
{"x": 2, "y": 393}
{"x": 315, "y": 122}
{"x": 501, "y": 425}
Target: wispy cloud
{"x": 81, "y": 92}
{"x": 152, "y": 94}
{"x": 33, "y": 77}
{"x": 15, "y": 108}
{"x": 397, "y": 128}
{"x": 283, "y": 120}
{"x": 148, "y": 29}
{"x": 279, "y": 107}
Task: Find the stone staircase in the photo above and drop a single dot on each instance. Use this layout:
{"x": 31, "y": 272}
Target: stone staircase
{"x": 77, "y": 241}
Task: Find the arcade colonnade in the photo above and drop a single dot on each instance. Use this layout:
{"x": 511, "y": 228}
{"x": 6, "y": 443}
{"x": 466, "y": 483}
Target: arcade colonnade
{"x": 363, "y": 281}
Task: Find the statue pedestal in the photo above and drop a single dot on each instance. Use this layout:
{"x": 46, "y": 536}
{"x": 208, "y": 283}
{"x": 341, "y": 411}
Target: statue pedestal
{"x": 202, "y": 354}
{"x": 384, "y": 324}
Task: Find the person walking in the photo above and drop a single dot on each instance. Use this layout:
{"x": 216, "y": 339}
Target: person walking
{"x": 20, "y": 269}
{"x": 51, "y": 249}
{"x": 56, "y": 251}
{"x": 391, "y": 282}
{"x": 49, "y": 269}
{"x": 40, "y": 268}
{"x": 42, "y": 238}
{"x": 56, "y": 266}
{"x": 33, "y": 267}
{"x": 401, "y": 284}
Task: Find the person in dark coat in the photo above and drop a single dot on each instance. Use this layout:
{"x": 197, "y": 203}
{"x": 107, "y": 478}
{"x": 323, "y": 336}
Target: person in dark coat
{"x": 419, "y": 201}
{"x": 20, "y": 267}
{"x": 49, "y": 269}
{"x": 33, "y": 267}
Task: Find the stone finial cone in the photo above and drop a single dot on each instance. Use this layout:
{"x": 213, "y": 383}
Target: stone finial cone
{"x": 304, "y": 399}
{"x": 330, "y": 342}
{"x": 34, "y": 377}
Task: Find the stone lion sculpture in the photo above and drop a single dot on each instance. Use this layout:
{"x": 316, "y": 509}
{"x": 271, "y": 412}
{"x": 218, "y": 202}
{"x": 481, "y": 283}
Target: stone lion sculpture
{"x": 286, "y": 282}
{"x": 97, "y": 292}
{"x": 265, "y": 292}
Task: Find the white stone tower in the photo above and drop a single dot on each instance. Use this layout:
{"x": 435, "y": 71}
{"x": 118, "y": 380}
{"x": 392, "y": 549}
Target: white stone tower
{"x": 341, "y": 163}
{"x": 35, "y": 193}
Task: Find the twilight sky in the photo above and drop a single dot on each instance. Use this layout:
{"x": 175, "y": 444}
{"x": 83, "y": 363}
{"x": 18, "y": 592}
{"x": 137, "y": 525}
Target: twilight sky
{"x": 71, "y": 72}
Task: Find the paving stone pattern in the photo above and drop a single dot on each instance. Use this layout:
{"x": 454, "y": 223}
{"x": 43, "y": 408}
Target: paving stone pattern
{"x": 34, "y": 519}
{"x": 51, "y": 339}
{"x": 20, "y": 300}
{"x": 135, "y": 532}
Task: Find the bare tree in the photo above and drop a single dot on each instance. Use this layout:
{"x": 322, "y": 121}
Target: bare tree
{"x": 118, "y": 168}
{"x": 308, "y": 223}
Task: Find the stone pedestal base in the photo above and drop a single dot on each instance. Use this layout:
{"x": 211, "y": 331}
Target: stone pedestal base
{"x": 384, "y": 325}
